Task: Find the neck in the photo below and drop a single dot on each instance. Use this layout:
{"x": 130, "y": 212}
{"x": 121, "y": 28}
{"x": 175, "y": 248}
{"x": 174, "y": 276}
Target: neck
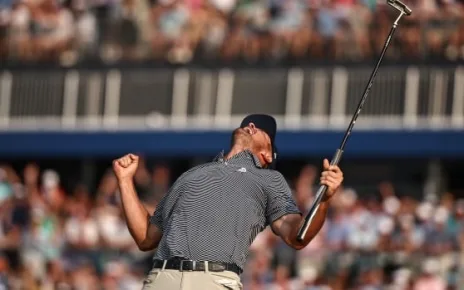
{"x": 236, "y": 149}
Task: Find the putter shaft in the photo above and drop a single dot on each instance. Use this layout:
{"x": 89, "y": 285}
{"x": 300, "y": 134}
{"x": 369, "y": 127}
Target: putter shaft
{"x": 338, "y": 154}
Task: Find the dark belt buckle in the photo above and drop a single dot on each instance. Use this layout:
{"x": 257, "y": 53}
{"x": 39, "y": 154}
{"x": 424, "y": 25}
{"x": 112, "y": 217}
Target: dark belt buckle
{"x": 188, "y": 266}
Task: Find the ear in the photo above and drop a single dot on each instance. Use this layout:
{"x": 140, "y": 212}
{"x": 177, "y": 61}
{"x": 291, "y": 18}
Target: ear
{"x": 267, "y": 156}
{"x": 252, "y": 127}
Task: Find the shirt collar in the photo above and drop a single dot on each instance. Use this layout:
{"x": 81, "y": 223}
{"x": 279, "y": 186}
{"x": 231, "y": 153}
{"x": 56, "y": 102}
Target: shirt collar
{"x": 239, "y": 158}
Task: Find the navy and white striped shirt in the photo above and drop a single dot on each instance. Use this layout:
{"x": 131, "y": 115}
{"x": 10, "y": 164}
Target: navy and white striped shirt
{"x": 214, "y": 211}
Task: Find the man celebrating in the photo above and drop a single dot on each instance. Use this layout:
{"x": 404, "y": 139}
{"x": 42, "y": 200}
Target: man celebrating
{"x": 204, "y": 225}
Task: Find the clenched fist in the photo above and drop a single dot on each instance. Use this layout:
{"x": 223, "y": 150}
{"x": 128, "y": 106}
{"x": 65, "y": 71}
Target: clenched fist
{"x": 125, "y": 167}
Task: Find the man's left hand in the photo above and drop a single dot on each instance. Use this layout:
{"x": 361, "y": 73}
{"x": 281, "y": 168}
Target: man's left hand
{"x": 332, "y": 177}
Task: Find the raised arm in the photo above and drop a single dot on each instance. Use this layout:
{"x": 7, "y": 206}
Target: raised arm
{"x": 145, "y": 234}
{"x": 287, "y": 226}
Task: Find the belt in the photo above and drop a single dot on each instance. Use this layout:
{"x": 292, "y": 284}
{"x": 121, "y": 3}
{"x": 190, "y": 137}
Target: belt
{"x": 190, "y": 265}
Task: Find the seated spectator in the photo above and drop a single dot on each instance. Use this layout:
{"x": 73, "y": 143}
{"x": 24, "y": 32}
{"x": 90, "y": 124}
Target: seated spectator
{"x": 86, "y": 33}
{"x": 429, "y": 280}
{"x": 51, "y": 28}
{"x": 329, "y": 25}
{"x": 169, "y": 20}
{"x": 19, "y": 44}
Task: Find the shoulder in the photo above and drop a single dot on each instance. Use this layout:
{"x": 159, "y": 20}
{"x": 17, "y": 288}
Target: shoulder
{"x": 196, "y": 169}
{"x": 272, "y": 176}
{"x": 273, "y": 180}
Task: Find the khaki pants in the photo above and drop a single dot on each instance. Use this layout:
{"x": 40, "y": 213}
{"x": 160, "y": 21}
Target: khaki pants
{"x": 164, "y": 279}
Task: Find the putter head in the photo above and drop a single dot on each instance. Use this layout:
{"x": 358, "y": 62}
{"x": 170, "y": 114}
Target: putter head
{"x": 400, "y": 6}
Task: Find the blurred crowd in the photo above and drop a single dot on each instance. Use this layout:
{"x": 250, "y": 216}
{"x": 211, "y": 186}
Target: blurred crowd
{"x": 182, "y": 31}
{"x": 53, "y": 239}
{"x": 382, "y": 241}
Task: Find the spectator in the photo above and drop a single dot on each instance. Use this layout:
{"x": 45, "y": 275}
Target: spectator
{"x": 19, "y": 44}
{"x": 86, "y": 32}
{"x": 283, "y": 280}
{"x": 31, "y": 176}
{"x": 169, "y": 20}
{"x": 10, "y": 232}
{"x": 159, "y": 185}
{"x": 81, "y": 229}
{"x": 52, "y": 29}
{"x": 329, "y": 26}
{"x": 128, "y": 30}
{"x": 360, "y": 18}
{"x": 52, "y": 191}
{"x": 429, "y": 280}
{"x": 55, "y": 277}
{"x": 407, "y": 238}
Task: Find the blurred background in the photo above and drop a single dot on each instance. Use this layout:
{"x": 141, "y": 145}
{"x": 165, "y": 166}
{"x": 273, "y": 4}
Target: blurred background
{"x": 85, "y": 81}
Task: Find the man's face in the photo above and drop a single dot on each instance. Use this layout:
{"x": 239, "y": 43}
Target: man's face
{"x": 261, "y": 143}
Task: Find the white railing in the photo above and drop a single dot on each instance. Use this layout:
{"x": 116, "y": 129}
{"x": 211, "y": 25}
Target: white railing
{"x": 320, "y": 99}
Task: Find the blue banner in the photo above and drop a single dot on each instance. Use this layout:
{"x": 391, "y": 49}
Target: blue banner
{"x": 379, "y": 143}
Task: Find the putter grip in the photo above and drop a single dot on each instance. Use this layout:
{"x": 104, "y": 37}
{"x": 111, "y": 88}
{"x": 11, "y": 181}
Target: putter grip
{"x": 319, "y": 195}
{"x": 337, "y": 157}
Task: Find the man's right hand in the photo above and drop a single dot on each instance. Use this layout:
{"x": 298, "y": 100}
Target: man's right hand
{"x": 126, "y": 166}
{"x": 145, "y": 234}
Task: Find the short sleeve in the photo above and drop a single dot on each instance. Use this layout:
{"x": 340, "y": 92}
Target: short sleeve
{"x": 157, "y": 217}
{"x": 166, "y": 204}
{"x": 280, "y": 200}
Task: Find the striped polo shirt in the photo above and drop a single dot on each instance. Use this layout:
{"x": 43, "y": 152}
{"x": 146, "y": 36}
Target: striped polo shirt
{"x": 214, "y": 211}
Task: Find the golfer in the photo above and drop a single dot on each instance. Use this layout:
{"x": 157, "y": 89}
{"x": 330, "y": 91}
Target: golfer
{"x": 204, "y": 225}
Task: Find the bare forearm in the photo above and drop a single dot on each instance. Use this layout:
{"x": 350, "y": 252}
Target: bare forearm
{"x": 314, "y": 227}
{"x": 137, "y": 217}
{"x": 289, "y": 225}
